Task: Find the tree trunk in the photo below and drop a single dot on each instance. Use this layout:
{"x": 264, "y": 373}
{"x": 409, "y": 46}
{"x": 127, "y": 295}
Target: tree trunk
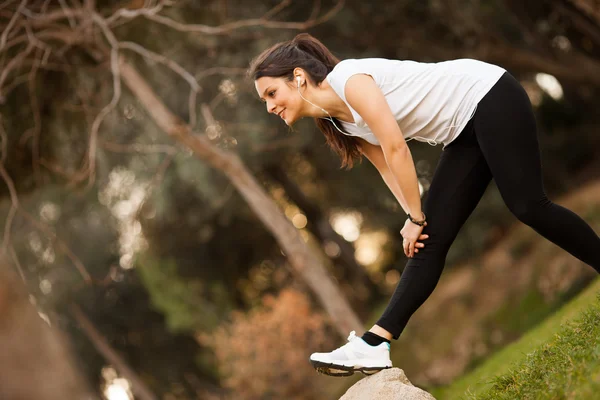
{"x": 319, "y": 225}
{"x": 306, "y": 264}
{"x": 35, "y": 362}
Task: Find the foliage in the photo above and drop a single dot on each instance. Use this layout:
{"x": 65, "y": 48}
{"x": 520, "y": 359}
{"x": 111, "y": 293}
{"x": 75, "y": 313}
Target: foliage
{"x": 189, "y": 305}
{"x": 264, "y": 354}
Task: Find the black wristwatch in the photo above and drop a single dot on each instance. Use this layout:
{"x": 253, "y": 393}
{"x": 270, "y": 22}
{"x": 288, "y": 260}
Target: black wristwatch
{"x": 414, "y": 221}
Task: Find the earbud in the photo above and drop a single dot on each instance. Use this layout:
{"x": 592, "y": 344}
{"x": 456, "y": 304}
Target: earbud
{"x": 298, "y": 79}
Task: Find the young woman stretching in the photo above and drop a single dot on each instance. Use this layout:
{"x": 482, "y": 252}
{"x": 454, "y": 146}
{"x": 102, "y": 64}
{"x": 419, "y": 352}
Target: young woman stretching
{"x": 372, "y": 107}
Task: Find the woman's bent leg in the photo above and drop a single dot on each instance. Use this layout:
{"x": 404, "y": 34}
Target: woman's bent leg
{"x": 506, "y": 130}
{"x": 460, "y": 180}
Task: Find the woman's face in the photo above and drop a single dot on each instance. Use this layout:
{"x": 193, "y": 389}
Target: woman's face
{"x": 281, "y": 98}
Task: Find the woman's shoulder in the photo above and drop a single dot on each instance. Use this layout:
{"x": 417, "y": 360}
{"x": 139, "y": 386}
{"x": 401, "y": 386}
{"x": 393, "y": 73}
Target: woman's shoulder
{"x": 367, "y": 60}
{"x": 349, "y": 66}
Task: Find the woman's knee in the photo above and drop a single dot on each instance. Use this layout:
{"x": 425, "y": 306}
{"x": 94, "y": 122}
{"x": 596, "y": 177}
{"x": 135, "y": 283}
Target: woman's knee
{"x": 528, "y": 210}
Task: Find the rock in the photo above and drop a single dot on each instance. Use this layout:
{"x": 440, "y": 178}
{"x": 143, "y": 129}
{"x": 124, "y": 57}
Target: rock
{"x": 389, "y": 384}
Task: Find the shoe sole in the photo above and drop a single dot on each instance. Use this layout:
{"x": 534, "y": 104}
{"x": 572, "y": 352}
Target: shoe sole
{"x": 342, "y": 370}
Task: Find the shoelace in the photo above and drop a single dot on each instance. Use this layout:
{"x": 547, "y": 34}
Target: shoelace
{"x": 352, "y": 336}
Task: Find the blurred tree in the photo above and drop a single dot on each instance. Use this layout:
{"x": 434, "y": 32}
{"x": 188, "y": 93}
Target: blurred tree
{"x": 35, "y": 359}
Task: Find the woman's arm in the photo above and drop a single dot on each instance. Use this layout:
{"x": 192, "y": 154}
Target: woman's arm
{"x": 363, "y": 94}
{"x": 375, "y": 155}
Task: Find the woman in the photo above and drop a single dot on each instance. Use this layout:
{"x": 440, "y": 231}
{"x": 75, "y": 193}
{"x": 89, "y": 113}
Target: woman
{"x": 372, "y": 107}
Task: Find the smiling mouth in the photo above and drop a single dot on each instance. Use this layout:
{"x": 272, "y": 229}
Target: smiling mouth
{"x": 281, "y": 113}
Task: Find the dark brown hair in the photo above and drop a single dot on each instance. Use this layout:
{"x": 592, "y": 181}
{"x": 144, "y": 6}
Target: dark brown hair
{"x": 306, "y": 52}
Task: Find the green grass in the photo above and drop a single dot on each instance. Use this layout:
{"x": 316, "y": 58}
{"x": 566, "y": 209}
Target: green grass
{"x": 564, "y": 368}
{"x": 563, "y": 360}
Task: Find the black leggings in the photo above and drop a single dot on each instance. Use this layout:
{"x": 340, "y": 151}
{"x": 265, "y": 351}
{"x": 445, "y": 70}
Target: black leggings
{"x": 499, "y": 142}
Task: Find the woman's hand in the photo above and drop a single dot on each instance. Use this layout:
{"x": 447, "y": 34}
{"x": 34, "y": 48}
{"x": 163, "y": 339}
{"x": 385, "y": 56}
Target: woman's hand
{"x": 411, "y": 234}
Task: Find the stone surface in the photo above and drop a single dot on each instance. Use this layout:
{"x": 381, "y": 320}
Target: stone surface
{"x": 389, "y": 384}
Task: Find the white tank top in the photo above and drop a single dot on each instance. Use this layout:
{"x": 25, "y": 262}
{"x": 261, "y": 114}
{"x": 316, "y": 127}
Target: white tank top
{"x": 432, "y": 102}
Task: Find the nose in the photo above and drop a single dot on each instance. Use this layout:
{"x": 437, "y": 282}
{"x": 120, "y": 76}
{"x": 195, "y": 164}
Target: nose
{"x": 270, "y": 107}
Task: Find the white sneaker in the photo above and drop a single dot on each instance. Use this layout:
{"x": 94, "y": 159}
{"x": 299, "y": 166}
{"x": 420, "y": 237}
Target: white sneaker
{"x": 356, "y": 355}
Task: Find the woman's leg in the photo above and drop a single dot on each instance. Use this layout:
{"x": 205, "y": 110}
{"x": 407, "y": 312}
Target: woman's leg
{"x": 506, "y": 131}
{"x": 460, "y": 180}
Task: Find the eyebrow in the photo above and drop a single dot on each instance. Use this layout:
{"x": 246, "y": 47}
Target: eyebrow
{"x": 266, "y": 91}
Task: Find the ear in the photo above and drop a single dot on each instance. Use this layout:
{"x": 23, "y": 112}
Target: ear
{"x": 299, "y": 72}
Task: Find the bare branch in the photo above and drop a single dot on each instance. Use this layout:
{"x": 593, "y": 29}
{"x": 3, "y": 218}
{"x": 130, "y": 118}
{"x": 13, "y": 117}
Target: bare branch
{"x": 37, "y": 122}
{"x": 591, "y": 8}
{"x": 90, "y": 5}
{"x": 15, "y": 206}
{"x": 4, "y": 36}
{"x": 316, "y": 10}
{"x": 67, "y": 11}
{"x": 208, "y": 115}
{"x": 220, "y": 70}
{"x": 155, "y": 182}
{"x": 4, "y": 138}
{"x": 130, "y": 14}
{"x": 227, "y": 28}
{"x": 57, "y": 169}
{"x": 217, "y": 100}
{"x": 192, "y": 101}
{"x": 60, "y": 243}
{"x": 175, "y": 67}
{"x": 4, "y": 92}
{"x": 273, "y": 11}
{"x": 114, "y": 63}
{"x": 588, "y": 27}
{"x": 15, "y": 259}
{"x": 14, "y": 63}
{"x": 45, "y": 6}
{"x": 35, "y": 40}
{"x": 178, "y": 69}
{"x": 11, "y": 189}
{"x": 139, "y": 148}
{"x": 66, "y": 36}
{"x": 169, "y": 122}
{"x": 44, "y": 18}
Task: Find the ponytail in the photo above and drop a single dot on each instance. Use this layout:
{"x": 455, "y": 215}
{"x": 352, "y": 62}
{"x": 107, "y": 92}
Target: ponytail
{"x": 308, "y": 53}
{"x": 316, "y": 49}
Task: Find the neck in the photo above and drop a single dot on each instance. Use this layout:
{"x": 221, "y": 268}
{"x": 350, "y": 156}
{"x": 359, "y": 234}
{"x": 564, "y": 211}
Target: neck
{"x": 325, "y": 97}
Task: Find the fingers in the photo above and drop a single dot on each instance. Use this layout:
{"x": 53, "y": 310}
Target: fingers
{"x": 411, "y": 248}
{"x": 415, "y": 247}
{"x": 407, "y": 245}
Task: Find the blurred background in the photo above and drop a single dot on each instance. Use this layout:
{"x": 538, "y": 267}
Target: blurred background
{"x": 189, "y": 245}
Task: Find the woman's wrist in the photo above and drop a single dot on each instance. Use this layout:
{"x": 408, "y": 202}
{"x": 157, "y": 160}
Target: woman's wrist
{"x": 417, "y": 220}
